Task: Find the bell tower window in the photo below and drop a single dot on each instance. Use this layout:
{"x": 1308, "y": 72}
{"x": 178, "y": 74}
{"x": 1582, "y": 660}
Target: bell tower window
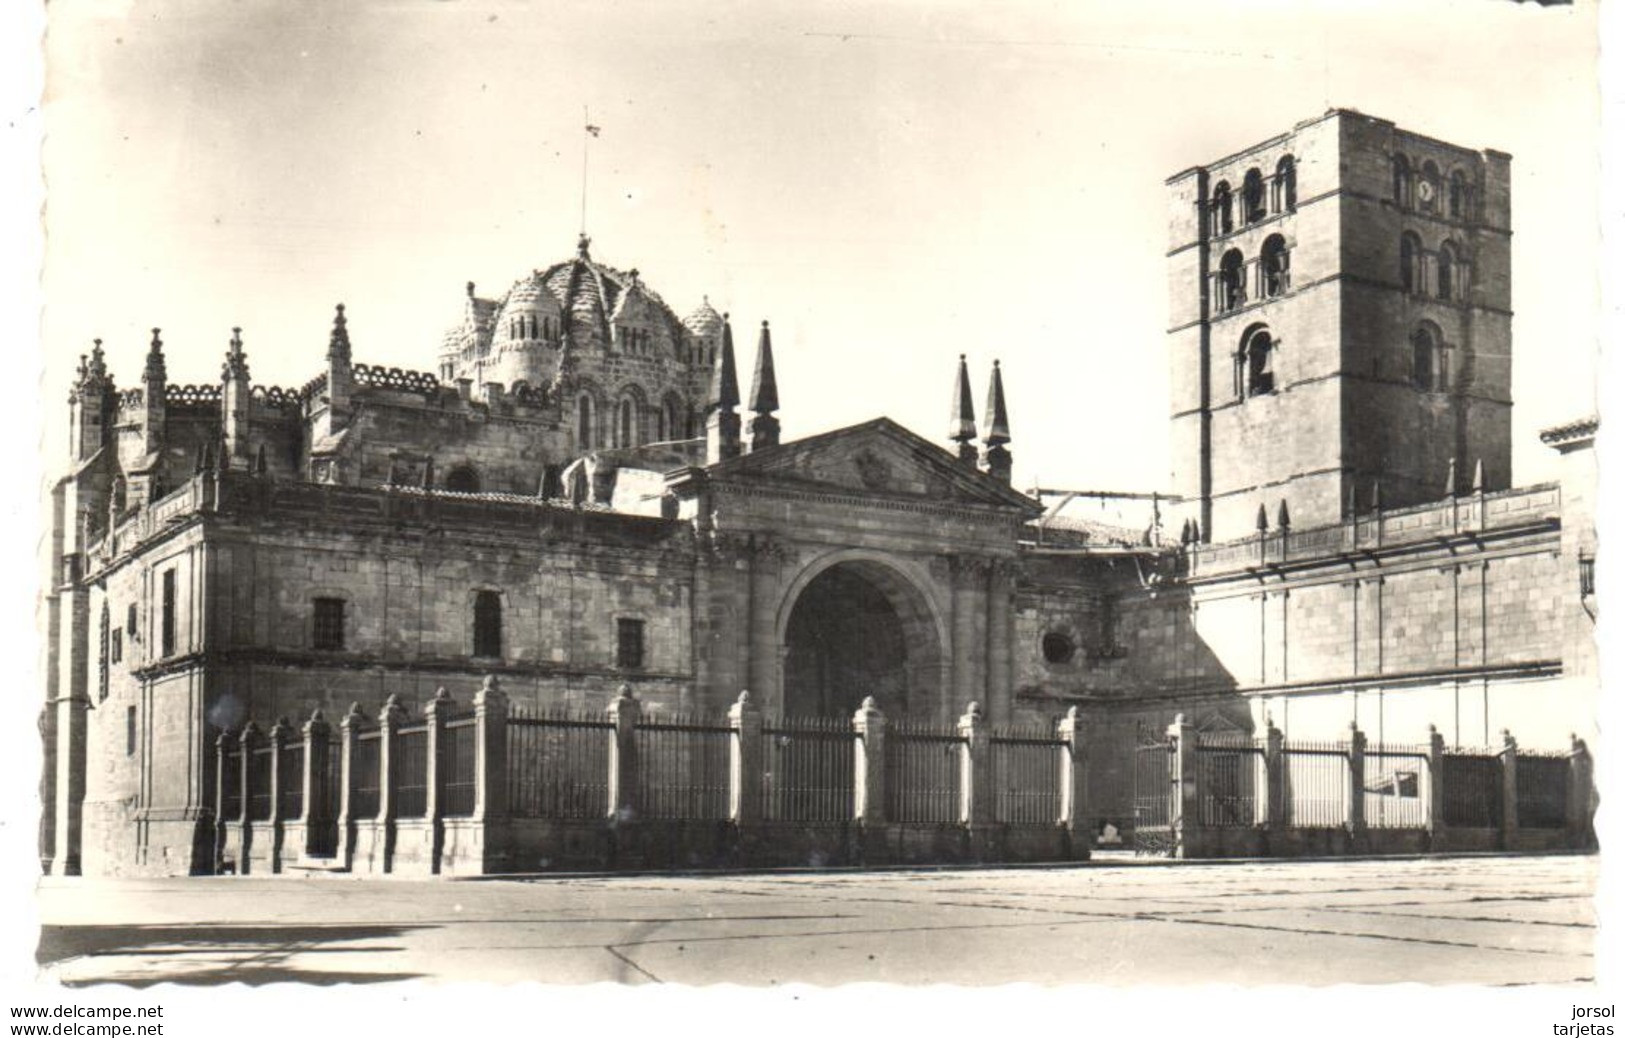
{"x": 1231, "y": 285}
{"x": 1219, "y": 215}
{"x": 1276, "y": 261}
{"x": 1255, "y": 363}
{"x": 1252, "y": 197}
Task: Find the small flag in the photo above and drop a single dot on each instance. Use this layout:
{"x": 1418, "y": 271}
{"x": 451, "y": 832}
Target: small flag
{"x": 592, "y": 129}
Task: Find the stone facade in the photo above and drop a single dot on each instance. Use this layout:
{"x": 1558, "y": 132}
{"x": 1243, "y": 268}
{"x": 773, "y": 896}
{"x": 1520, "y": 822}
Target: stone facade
{"x": 570, "y": 504}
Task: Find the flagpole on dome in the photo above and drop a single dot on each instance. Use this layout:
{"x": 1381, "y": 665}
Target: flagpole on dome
{"x": 588, "y": 131}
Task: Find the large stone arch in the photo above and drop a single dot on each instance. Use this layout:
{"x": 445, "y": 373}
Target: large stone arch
{"x": 871, "y": 622}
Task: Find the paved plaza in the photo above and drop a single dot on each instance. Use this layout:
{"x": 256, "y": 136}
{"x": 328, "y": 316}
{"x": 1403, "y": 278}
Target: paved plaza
{"x": 1480, "y": 920}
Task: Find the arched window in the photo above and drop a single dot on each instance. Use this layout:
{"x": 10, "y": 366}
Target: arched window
{"x": 674, "y": 418}
{"x": 1458, "y": 195}
{"x": 1232, "y": 287}
{"x": 1447, "y": 271}
{"x": 1430, "y": 361}
{"x": 1221, "y": 222}
{"x": 463, "y": 480}
{"x": 626, "y": 422}
{"x": 1402, "y": 182}
{"x": 1276, "y": 261}
{"x": 1252, "y": 197}
{"x": 487, "y": 623}
{"x": 1285, "y": 186}
{"x": 1410, "y": 262}
{"x": 1255, "y": 363}
{"x": 585, "y": 440}
{"x": 1427, "y": 191}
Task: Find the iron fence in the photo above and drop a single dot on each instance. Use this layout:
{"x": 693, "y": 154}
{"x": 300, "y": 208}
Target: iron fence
{"x": 922, "y": 772}
{"x": 1543, "y": 790}
{"x": 291, "y": 779}
{"x": 409, "y": 771}
{"x": 259, "y": 783}
{"x": 1472, "y": 790}
{"x": 231, "y": 784}
{"x": 558, "y": 764}
{"x": 807, "y": 769}
{"x": 684, "y": 771}
{"x": 1315, "y": 784}
{"x": 1396, "y": 787}
{"x": 322, "y": 834}
{"x": 1156, "y": 766}
{"x": 1230, "y": 780}
{"x": 1026, "y": 772}
{"x": 364, "y": 776}
{"x": 456, "y": 768}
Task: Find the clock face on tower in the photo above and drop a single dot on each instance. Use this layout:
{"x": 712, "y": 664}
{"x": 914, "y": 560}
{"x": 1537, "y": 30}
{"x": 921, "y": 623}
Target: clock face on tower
{"x": 1424, "y": 190}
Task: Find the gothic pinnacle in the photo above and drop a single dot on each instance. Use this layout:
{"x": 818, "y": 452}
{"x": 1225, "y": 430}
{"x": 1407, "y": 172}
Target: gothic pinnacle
{"x": 236, "y": 366}
{"x": 997, "y": 430}
{"x": 338, "y": 344}
{"x": 961, "y": 412}
{"x": 155, "y": 370}
{"x": 724, "y": 394}
{"x": 764, "y": 384}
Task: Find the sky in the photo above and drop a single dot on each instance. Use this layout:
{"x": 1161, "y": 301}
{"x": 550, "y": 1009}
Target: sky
{"x": 890, "y": 184}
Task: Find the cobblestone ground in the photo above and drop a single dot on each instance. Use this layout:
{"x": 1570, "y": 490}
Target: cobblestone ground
{"x": 1485, "y": 920}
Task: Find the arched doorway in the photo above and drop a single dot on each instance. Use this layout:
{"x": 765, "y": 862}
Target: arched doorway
{"x": 860, "y": 628}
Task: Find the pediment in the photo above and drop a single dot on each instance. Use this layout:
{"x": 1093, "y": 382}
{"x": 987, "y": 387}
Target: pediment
{"x": 878, "y": 458}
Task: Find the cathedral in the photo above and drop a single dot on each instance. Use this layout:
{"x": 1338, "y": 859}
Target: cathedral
{"x": 579, "y": 497}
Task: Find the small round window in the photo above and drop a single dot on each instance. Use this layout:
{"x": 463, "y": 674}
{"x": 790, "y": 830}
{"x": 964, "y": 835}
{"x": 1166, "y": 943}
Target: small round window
{"x": 1059, "y": 647}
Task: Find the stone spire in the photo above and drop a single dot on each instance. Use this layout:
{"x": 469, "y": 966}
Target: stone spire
{"x": 722, "y": 420}
{"x": 764, "y": 395}
{"x": 962, "y": 416}
{"x": 1450, "y": 479}
{"x": 339, "y": 375}
{"x": 90, "y": 403}
{"x": 234, "y": 393}
{"x": 156, "y": 372}
{"x": 155, "y": 380}
{"x": 724, "y": 392}
{"x": 1478, "y": 476}
{"x": 996, "y": 433}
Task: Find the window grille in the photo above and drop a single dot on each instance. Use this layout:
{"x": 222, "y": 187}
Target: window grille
{"x": 487, "y": 623}
{"x": 629, "y": 644}
{"x": 329, "y": 623}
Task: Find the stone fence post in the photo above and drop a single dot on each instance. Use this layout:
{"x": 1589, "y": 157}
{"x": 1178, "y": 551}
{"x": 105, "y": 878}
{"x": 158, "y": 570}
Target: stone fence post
{"x": 1509, "y": 791}
{"x": 246, "y": 744}
{"x": 1185, "y": 810}
{"x": 975, "y": 775}
{"x": 1275, "y": 799}
{"x": 349, "y": 732}
{"x": 745, "y": 762}
{"x": 490, "y": 752}
{"x": 1075, "y": 816}
{"x": 1578, "y": 813}
{"x": 434, "y": 800}
{"x": 1437, "y": 831}
{"x": 1358, "y": 836}
{"x": 279, "y": 766}
{"x": 869, "y": 764}
{"x": 624, "y": 799}
{"x": 391, "y": 717}
{"x": 222, "y": 747}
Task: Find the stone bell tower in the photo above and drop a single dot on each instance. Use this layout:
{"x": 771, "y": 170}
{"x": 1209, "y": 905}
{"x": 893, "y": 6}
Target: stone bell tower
{"x": 1339, "y": 325}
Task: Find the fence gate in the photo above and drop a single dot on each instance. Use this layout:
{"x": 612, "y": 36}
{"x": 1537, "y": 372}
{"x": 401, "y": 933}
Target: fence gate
{"x": 1155, "y": 772}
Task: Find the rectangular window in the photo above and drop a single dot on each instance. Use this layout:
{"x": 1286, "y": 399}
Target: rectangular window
{"x": 329, "y": 630}
{"x": 629, "y": 644}
{"x": 116, "y": 652}
{"x": 487, "y": 623}
{"x": 129, "y": 731}
{"x": 166, "y": 641}
{"x": 129, "y": 621}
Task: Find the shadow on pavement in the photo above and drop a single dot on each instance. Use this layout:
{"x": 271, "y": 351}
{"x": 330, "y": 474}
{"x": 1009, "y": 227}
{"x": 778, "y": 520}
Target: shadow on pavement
{"x": 205, "y": 955}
